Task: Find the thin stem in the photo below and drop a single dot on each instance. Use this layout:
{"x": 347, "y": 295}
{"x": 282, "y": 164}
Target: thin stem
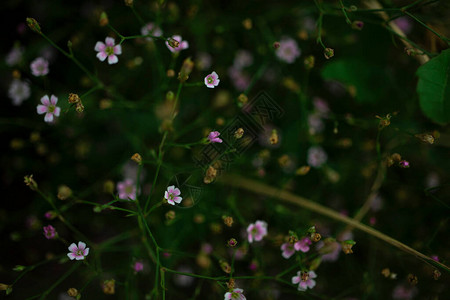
{"x": 60, "y": 280}
{"x": 426, "y": 26}
{"x": 344, "y": 11}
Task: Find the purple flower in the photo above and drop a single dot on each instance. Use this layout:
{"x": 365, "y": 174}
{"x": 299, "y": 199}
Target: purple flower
{"x": 49, "y": 232}
{"x": 127, "y": 189}
{"x": 151, "y": 29}
{"x": 288, "y": 51}
{"x": 256, "y": 231}
{"x": 39, "y": 66}
{"x": 172, "y": 195}
{"x": 236, "y": 294}
{"x": 303, "y": 244}
{"x": 288, "y": 250}
{"x": 181, "y": 45}
{"x": 305, "y": 280}
{"x": 18, "y": 91}
{"x": 316, "y": 156}
{"x": 49, "y": 108}
{"x": 213, "y": 137}
{"x": 212, "y": 80}
{"x": 138, "y": 266}
{"x": 108, "y": 50}
{"x": 78, "y": 252}
{"x": 404, "y": 23}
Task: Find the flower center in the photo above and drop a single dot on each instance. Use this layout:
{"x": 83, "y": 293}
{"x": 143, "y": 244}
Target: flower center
{"x": 171, "y": 196}
{"x": 109, "y": 50}
{"x": 51, "y": 108}
{"x": 210, "y": 79}
{"x": 79, "y": 252}
{"x": 255, "y": 230}
{"x": 129, "y": 189}
{"x": 234, "y": 295}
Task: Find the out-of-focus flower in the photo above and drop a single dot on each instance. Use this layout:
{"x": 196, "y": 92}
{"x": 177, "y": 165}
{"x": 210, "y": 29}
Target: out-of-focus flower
{"x": 404, "y": 23}
{"x": 176, "y": 44}
{"x": 321, "y": 106}
{"x": 315, "y": 123}
{"x": 127, "y": 189}
{"x": 303, "y": 244}
{"x": 239, "y": 78}
{"x": 316, "y": 156}
{"x": 236, "y": 294}
{"x": 39, "y": 67}
{"x": 256, "y": 231}
{"x": 18, "y": 91}
{"x": 78, "y": 252}
{"x": 305, "y": 280}
{"x": 49, "y": 108}
{"x": 288, "y": 50}
{"x": 213, "y": 137}
{"x": 151, "y": 29}
{"x": 138, "y": 266}
{"x": 212, "y": 80}
{"x": 403, "y": 292}
{"x": 172, "y": 195}
{"x": 242, "y": 59}
{"x": 14, "y": 56}
{"x": 108, "y": 50}
{"x": 183, "y": 280}
{"x": 203, "y": 61}
{"x": 49, "y": 232}
{"x": 288, "y": 250}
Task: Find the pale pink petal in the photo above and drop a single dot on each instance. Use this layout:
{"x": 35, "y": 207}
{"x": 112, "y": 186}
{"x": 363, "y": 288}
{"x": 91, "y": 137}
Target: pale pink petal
{"x": 45, "y": 100}
{"x": 121, "y": 186}
{"x": 73, "y": 247}
{"x": 100, "y": 47}
{"x": 48, "y": 117}
{"x": 71, "y": 256}
{"x": 239, "y": 291}
{"x": 177, "y": 199}
{"x": 86, "y": 252}
{"x": 311, "y": 283}
{"x": 109, "y": 42}
{"x": 170, "y": 202}
{"x": 184, "y": 45}
{"x": 81, "y": 246}
{"x": 166, "y": 195}
{"x": 57, "y": 111}
{"x": 295, "y": 279}
{"x": 214, "y": 75}
{"x": 112, "y": 59}
{"x": 210, "y": 85}
{"x": 54, "y": 99}
{"x": 227, "y": 296}
{"x": 118, "y": 49}
{"x": 176, "y": 192}
{"x": 177, "y": 38}
{"x": 171, "y": 189}
{"x": 102, "y": 56}
{"x": 79, "y": 257}
{"x": 41, "y": 109}
{"x": 312, "y": 274}
{"x": 302, "y": 286}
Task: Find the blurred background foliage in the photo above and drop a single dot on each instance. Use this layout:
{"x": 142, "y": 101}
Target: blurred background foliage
{"x": 370, "y": 74}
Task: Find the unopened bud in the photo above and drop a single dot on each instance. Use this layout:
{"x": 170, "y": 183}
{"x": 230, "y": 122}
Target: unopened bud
{"x": 274, "y": 137}
{"x": 225, "y": 266}
{"x": 412, "y": 279}
{"x": 170, "y": 215}
{"x": 358, "y": 25}
{"x": 426, "y": 138}
{"x": 302, "y": 170}
{"x": 386, "y": 272}
{"x": 173, "y": 43}
{"x": 239, "y": 133}
{"x": 227, "y": 220}
{"x": 242, "y": 98}
{"x": 16, "y": 74}
{"x": 64, "y": 192}
{"x": 232, "y": 242}
{"x": 109, "y": 287}
{"x": 396, "y": 157}
{"x": 247, "y": 23}
{"x": 72, "y": 292}
{"x": 384, "y": 121}
{"x": 29, "y": 181}
{"x": 129, "y": 2}
{"x": 73, "y": 98}
{"x": 315, "y": 237}
{"x": 231, "y": 284}
{"x": 170, "y": 73}
{"x": 436, "y": 274}
{"x": 108, "y": 187}
{"x": 309, "y": 62}
{"x": 276, "y": 45}
{"x": 34, "y": 25}
{"x": 103, "y": 19}
{"x": 186, "y": 69}
{"x": 328, "y": 53}
{"x": 137, "y": 158}
{"x": 347, "y": 246}
{"x": 79, "y": 107}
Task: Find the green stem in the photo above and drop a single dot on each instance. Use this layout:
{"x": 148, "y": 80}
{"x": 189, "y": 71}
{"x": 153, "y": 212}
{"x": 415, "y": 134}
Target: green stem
{"x": 60, "y": 280}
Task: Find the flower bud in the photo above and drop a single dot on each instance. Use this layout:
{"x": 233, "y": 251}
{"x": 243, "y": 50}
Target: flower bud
{"x": 302, "y": 170}
{"x": 170, "y": 73}
{"x": 129, "y": 2}
{"x": 103, "y": 19}
{"x": 412, "y": 279}
{"x": 173, "y": 42}
{"x": 64, "y": 192}
{"x": 358, "y": 25}
{"x": 274, "y": 137}
{"x": 315, "y": 237}
{"x": 186, "y": 69}
{"x": 328, "y": 53}
{"x": 247, "y": 23}
{"x": 426, "y": 138}
{"x": 72, "y": 292}
{"x": 79, "y": 107}
{"x": 227, "y": 220}
{"x": 74, "y": 98}
{"x": 34, "y": 25}
{"x": 347, "y": 246}
{"x": 276, "y": 45}
{"x": 109, "y": 287}
{"x": 210, "y": 176}
{"x": 231, "y": 284}
{"x": 242, "y": 99}
{"x": 108, "y": 187}
{"x": 225, "y": 266}
{"x": 170, "y": 215}
{"x": 29, "y": 181}
{"x": 239, "y": 133}
{"x": 436, "y": 274}
{"x": 137, "y": 158}
{"x": 309, "y": 62}
{"x": 386, "y": 272}
{"x": 232, "y": 242}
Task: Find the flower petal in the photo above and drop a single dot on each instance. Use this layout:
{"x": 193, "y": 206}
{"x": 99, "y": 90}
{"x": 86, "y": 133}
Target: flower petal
{"x": 45, "y": 100}
{"x": 170, "y": 189}
{"x": 176, "y": 192}
{"x": 48, "y": 117}
{"x": 118, "y": 49}
{"x": 102, "y": 56}
{"x": 295, "y": 279}
{"x": 112, "y": 59}
{"x": 177, "y": 199}
{"x": 71, "y": 256}
{"x": 166, "y": 195}
{"x": 184, "y": 45}
{"x": 54, "y": 99}
{"x": 41, "y": 109}
{"x": 57, "y": 111}
{"x": 73, "y": 247}
{"x": 86, "y": 252}
{"x": 109, "y": 42}
{"x": 81, "y": 246}
{"x": 100, "y": 46}
{"x": 79, "y": 257}
{"x": 170, "y": 202}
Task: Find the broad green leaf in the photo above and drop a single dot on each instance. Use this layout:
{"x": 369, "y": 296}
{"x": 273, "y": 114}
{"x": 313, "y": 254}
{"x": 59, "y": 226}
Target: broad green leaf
{"x": 434, "y": 87}
{"x": 368, "y": 80}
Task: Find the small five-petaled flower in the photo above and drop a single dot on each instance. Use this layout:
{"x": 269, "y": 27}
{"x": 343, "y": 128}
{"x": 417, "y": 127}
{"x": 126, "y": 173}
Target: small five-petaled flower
{"x": 213, "y": 137}
{"x": 108, "y": 50}
{"x": 175, "y": 44}
{"x": 305, "y": 280}
{"x": 236, "y": 294}
{"x": 212, "y": 80}
{"x": 172, "y": 195}
{"x": 256, "y": 231}
{"x": 78, "y": 252}
{"x": 49, "y": 108}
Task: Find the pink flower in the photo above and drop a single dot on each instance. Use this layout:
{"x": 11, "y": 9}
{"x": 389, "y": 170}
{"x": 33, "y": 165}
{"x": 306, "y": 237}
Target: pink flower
{"x": 203, "y": 61}
{"x": 78, "y": 252}
{"x": 404, "y": 23}
{"x": 212, "y": 80}
{"x": 321, "y": 106}
{"x": 316, "y": 156}
{"x": 181, "y": 44}
{"x": 14, "y": 56}
{"x": 240, "y": 79}
{"x": 315, "y": 123}
{"x": 151, "y": 29}
{"x": 242, "y": 59}
{"x": 18, "y": 91}
{"x": 39, "y": 67}
{"x": 172, "y": 195}
{"x": 236, "y": 294}
{"x": 213, "y": 137}
{"x": 403, "y": 292}
{"x": 303, "y": 245}
{"x": 49, "y": 232}
{"x": 109, "y": 51}
{"x": 288, "y": 51}
{"x": 435, "y": 257}
{"x": 288, "y": 250}
{"x": 127, "y": 189}
{"x": 49, "y": 108}
{"x": 138, "y": 266}
{"x": 257, "y": 231}
{"x": 305, "y": 280}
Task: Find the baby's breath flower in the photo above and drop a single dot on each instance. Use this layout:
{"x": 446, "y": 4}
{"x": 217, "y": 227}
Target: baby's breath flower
{"x": 328, "y": 53}
{"x": 256, "y": 231}
{"x": 212, "y": 80}
{"x": 172, "y": 195}
{"x": 151, "y": 29}
{"x": 127, "y": 189}
{"x": 49, "y": 108}
{"x": 175, "y": 44}
{"x": 78, "y": 252}
{"x": 305, "y": 280}
{"x": 39, "y": 67}
{"x": 288, "y": 50}
{"x": 108, "y": 50}
{"x": 50, "y": 232}
{"x": 235, "y": 294}
{"x": 18, "y": 91}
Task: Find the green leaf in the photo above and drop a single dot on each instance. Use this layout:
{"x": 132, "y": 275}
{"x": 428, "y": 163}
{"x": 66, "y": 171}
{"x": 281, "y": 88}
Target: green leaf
{"x": 366, "y": 78}
{"x": 434, "y": 87}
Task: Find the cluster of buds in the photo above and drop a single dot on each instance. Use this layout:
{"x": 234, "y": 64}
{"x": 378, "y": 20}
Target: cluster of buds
{"x": 328, "y": 53}
{"x": 186, "y": 69}
{"x": 137, "y": 158}
{"x": 76, "y": 100}
{"x": 384, "y": 121}
{"x": 347, "y": 246}
{"x": 228, "y": 221}
{"x": 309, "y": 62}
{"x": 211, "y": 174}
{"x": 29, "y": 181}
{"x": 232, "y": 243}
